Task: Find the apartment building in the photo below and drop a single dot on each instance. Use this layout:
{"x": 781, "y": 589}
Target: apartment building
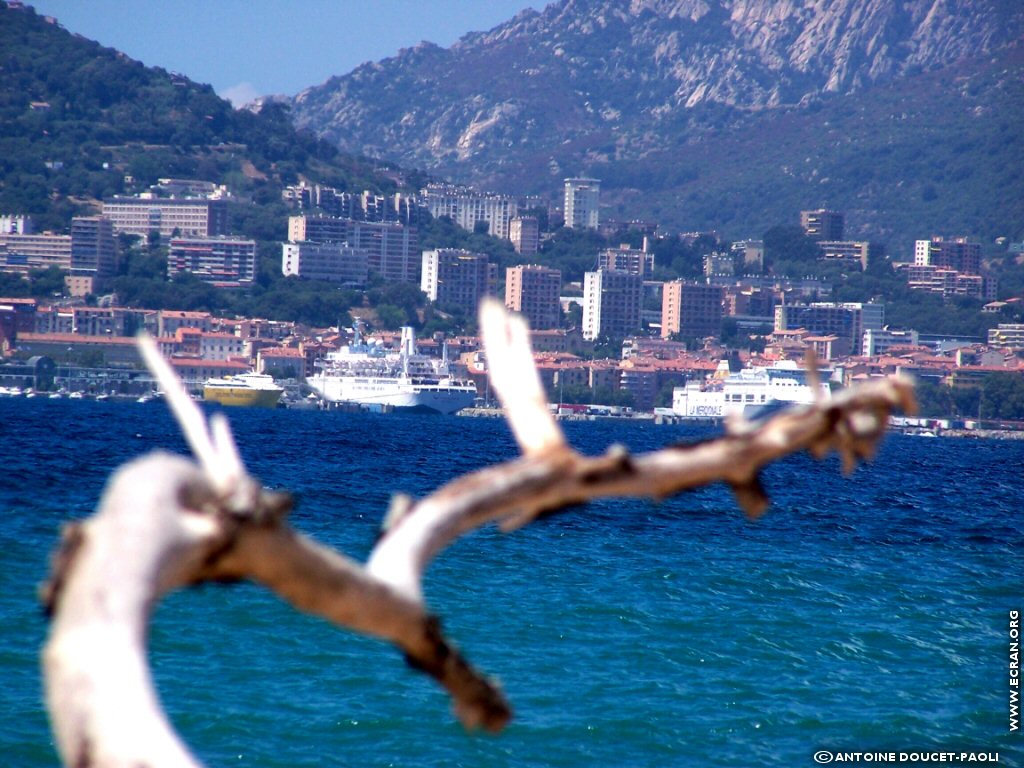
{"x": 24, "y": 253}
{"x": 958, "y": 254}
{"x": 391, "y": 248}
{"x": 691, "y": 310}
{"x": 947, "y": 282}
{"x": 524, "y": 232}
{"x": 636, "y": 261}
{"x": 582, "y": 200}
{"x": 226, "y": 262}
{"x": 170, "y": 217}
{"x": 823, "y": 224}
{"x": 455, "y": 278}
{"x": 533, "y": 291}
{"x": 612, "y": 303}
{"x": 335, "y": 262}
{"x": 749, "y": 256}
{"x": 848, "y": 321}
{"x": 93, "y": 246}
{"x": 468, "y": 208}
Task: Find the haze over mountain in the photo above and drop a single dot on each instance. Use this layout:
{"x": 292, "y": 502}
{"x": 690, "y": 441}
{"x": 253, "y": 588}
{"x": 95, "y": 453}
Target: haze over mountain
{"x": 716, "y": 113}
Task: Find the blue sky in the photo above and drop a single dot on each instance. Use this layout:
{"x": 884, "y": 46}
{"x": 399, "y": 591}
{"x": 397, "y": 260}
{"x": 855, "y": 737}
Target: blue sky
{"x": 247, "y": 48}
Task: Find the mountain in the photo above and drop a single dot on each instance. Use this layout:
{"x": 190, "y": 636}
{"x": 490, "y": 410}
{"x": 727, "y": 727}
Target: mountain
{"x": 78, "y": 118}
{"x": 725, "y": 114}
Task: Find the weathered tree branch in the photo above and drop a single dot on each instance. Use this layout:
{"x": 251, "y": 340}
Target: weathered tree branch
{"x": 165, "y": 522}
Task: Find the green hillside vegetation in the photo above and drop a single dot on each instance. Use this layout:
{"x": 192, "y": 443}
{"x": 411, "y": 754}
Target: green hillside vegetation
{"x": 79, "y": 117}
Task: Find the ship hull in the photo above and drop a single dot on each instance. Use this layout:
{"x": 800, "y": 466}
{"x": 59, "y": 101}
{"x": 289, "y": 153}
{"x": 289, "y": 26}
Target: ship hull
{"x": 394, "y": 394}
{"x": 242, "y": 397}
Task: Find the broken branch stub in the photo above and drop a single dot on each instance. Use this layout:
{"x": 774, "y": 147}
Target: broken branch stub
{"x": 164, "y": 522}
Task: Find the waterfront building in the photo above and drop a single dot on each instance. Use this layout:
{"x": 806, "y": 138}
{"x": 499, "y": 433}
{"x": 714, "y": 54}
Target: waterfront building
{"x": 455, "y": 278}
{"x": 582, "y": 200}
{"x": 533, "y": 291}
{"x": 612, "y": 303}
{"x": 226, "y": 262}
{"x": 335, "y": 262}
{"x": 691, "y": 310}
{"x": 170, "y": 320}
{"x": 170, "y": 217}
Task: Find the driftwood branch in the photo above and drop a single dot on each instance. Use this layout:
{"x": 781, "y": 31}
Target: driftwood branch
{"x": 165, "y": 522}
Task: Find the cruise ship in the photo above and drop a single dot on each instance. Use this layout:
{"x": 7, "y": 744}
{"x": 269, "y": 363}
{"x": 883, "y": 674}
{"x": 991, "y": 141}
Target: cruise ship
{"x": 247, "y": 389}
{"x": 367, "y": 374}
{"x": 748, "y": 392}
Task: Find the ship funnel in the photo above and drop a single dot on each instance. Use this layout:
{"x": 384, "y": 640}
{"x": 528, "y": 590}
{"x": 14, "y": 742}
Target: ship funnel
{"x": 408, "y": 341}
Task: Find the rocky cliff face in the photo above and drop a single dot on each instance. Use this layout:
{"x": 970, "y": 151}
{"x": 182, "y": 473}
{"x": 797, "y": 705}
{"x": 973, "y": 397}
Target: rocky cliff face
{"x": 603, "y": 86}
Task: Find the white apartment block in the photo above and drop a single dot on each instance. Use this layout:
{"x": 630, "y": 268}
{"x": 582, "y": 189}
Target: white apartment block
{"x": 24, "y": 253}
{"x": 1007, "y": 335}
{"x": 391, "y": 248}
{"x": 582, "y": 197}
{"x": 456, "y": 278}
{"x": 223, "y": 261}
{"x": 221, "y": 346}
{"x": 467, "y": 208}
{"x": 335, "y": 262}
{"x": 169, "y": 217}
{"x": 612, "y": 303}
{"x": 533, "y": 291}
{"x": 16, "y": 224}
{"x": 879, "y": 342}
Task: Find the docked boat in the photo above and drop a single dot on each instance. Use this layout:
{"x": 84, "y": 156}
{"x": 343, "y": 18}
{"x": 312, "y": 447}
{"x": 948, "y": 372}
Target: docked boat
{"x": 245, "y": 389}
{"x": 371, "y": 376}
{"x": 750, "y": 392}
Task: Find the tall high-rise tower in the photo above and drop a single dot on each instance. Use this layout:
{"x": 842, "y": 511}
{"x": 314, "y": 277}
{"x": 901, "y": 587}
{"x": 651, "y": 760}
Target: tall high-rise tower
{"x": 581, "y": 202}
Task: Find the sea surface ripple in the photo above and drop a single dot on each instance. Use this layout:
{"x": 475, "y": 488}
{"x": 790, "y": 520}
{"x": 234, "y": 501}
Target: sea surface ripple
{"x": 862, "y": 613}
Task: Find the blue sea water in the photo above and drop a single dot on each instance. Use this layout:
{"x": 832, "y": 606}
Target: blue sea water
{"x": 862, "y": 613}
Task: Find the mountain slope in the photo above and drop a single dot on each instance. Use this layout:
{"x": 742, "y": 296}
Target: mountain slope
{"x": 627, "y": 90}
{"x": 78, "y": 118}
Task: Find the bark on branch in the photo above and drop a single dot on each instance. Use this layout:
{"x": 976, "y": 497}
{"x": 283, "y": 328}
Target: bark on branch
{"x": 165, "y": 522}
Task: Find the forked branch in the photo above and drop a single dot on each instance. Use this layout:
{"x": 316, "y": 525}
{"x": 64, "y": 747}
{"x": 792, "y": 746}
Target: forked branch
{"x": 164, "y": 522}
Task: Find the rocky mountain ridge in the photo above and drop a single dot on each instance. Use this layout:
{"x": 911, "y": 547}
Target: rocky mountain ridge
{"x": 612, "y": 79}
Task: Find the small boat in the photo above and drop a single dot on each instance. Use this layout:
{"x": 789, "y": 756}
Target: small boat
{"x": 246, "y": 389}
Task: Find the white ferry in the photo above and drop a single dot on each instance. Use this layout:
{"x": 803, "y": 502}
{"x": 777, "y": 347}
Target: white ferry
{"x": 748, "y": 392}
{"x": 367, "y": 374}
